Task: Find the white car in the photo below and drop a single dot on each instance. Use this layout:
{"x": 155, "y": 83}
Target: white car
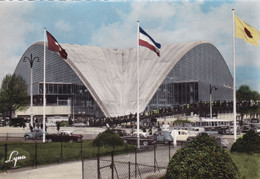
{"x": 182, "y": 135}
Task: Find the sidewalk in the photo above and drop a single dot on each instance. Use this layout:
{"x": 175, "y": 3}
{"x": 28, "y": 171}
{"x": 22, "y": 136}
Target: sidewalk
{"x": 69, "y": 170}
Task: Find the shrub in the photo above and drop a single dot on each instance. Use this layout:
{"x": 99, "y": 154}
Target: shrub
{"x": 249, "y": 143}
{"x": 200, "y": 158}
{"x": 108, "y": 137}
{"x": 20, "y": 163}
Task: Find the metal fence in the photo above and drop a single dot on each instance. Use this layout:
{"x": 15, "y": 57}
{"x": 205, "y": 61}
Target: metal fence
{"x": 146, "y": 162}
{"x": 36, "y": 153}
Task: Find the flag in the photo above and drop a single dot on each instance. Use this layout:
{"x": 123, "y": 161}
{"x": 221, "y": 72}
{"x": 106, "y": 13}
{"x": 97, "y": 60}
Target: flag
{"x": 55, "y": 46}
{"x": 147, "y": 41}
{"x": 246, "y": 32}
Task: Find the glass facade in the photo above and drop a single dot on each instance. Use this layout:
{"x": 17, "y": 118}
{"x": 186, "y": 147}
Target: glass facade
{"x": 189, "y": 80}
{"x": 63, "y": 86}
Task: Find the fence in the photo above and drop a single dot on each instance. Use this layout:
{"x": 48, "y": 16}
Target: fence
{"x": 141, "y": 163}
{"x": 35, "y": 154}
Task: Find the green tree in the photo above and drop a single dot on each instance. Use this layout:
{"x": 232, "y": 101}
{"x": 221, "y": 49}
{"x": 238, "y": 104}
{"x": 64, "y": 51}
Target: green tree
{"x": 13, "y": 94}
{"x": 245, "y": 94}
{"x": 202, "y": 158}
{"x": 249, "y": 143}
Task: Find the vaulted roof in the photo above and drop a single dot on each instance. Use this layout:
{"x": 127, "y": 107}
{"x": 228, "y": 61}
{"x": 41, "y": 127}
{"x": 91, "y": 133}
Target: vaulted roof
{"x": 110, "y": 75}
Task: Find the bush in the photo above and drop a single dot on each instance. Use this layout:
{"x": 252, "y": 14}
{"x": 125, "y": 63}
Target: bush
{"x": 201, "y": 158}
{"x": 20, "y": 163}
{"x": 108, "y": 137}
{"x": 64, "y": 124}
{"x": 249, "y": 143}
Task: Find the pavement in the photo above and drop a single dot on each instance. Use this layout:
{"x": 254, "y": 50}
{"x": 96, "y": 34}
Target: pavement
{"x": 69, "y": 170}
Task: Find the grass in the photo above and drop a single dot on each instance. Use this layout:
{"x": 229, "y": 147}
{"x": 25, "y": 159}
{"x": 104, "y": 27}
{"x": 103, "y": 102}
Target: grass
{"x": 55, "y": 152}
{"x": 248, "y": 165}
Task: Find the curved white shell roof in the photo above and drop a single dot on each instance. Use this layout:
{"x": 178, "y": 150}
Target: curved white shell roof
{"x": 111, "y": 74}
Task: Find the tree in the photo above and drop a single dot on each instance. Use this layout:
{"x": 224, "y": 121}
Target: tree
{"x": 244, "y": 93}
{"x": 249, "y": 143}
{"x": 245, "y": 96}
{"x": 13, "y": 94}
{"x": 200, "y": 158}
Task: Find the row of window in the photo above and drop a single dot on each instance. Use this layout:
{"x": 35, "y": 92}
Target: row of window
{"x": 175, "y": 94}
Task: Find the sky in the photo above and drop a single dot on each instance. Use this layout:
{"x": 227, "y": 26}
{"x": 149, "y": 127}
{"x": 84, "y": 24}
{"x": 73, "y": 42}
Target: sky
{"x": 113, "y": 24}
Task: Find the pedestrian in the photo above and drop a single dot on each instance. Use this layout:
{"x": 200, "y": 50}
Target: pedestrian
{"x": 150, "y": 131}
{"x": 41, "y": 125}
{"x": 31, "y": 127}
{"x": 58, "y": 126}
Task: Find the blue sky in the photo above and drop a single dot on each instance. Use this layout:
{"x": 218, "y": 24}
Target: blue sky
{"x": 113, "y": 24}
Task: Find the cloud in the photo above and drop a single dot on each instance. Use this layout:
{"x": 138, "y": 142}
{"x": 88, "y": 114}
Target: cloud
{"x": 173, "y": 22}
{"x": 14, "y": 28}
{"x": 61, "y": 25}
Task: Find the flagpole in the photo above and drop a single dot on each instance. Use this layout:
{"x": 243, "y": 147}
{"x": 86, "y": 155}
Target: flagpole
{"x": 137, "y": 113}
{"x": 44, "y": 86}
{"x": 234, "y": 79}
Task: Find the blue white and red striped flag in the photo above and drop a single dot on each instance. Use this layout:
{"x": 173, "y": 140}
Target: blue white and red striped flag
{"x": 147, "y": 41}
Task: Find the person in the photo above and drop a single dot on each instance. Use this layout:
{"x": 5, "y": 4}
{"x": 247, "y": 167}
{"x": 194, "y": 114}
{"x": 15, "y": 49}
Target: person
{"x": 31, "y": 128}
{"x": 58, "y": 126}
{"x": 132, "y": 130}
{"x": 41, "y": 125}
{"x": 150, "y": 131}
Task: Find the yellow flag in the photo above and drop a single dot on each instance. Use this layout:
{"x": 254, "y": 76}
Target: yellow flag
{"x": 246, "y": 32}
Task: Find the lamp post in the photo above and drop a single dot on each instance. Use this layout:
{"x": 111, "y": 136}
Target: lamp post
{"x": 31, "y": 60}
{"x": 210, "y": 99}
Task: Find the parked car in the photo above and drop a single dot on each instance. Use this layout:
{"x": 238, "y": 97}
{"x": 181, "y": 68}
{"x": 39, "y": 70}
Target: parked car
{"x": 64, "y": 136}
{"x": 230, "y": 130}
{"x": 120, "y": 132}
{"x": 221, "y": 141}
{"x": 163, "y": 137}
{"x": 144, "y": 139}
{"x": 35, "y": 134}
{"x": 182, "y": 135}
{"x": 245, "y": 128}
{"x": 257, "y": 130}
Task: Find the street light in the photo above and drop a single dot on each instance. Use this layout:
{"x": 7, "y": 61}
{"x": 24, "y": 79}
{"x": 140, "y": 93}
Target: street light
{"x": 31, "y": 60}
{"x": 210, "y": 98}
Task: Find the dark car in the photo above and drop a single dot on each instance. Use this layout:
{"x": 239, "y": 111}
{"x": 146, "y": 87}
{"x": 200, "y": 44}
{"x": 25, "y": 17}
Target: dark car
{"x": 245, "y": 128}
{"x": 35, "y": 134}
{"x": 144, "y": 139}
{"x": 163, "y": 137}
{"x": 120, "y": 132}
{"x": 64, "y": 136}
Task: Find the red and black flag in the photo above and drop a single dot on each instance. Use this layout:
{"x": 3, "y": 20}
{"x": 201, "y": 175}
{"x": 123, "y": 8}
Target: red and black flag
{"x": 55, "y": 46}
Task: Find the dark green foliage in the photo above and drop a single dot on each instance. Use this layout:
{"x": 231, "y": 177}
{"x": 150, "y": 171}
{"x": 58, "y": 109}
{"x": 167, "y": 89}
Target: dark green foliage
{"x": 244, "y": 93}
{"x": 17, "y": 122}
{"x": 249, "y": 143}
{"x": 13, "y": 94}
{"x": 108, "y": 137}
{"x": 202, "y": 158}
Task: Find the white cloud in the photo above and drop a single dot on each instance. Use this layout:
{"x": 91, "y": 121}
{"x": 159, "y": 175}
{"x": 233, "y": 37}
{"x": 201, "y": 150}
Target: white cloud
{"x": 61, "y": 25}
{"x": 172, "y": 22}
{"x": 14, "y": 28}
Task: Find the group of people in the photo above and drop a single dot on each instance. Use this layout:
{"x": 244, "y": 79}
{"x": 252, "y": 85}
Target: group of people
{"x": 200, "y": 109}
{"x": 38, "y": 126}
